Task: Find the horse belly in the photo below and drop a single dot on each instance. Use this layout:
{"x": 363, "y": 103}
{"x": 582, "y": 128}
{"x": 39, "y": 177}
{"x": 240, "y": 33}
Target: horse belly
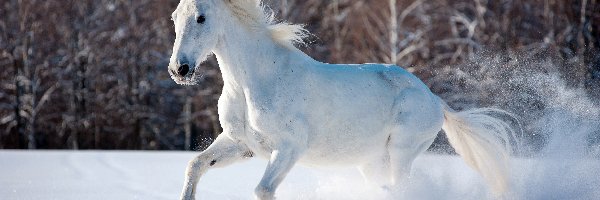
{"x": 349, "y": 127}
{"x": 352, "y": 146}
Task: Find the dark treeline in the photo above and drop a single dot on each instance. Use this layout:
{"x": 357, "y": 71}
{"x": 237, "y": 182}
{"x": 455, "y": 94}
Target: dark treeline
{"x": 92, "y": 74}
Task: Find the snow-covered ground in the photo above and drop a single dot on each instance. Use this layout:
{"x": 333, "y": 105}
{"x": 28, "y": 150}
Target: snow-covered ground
{"x": 159, "y": 175}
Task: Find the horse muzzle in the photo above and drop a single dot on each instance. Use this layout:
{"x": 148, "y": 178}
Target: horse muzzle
{"x": 183, "y": 73}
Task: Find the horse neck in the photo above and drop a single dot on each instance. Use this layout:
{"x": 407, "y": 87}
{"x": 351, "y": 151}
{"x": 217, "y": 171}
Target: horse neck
{"x": 246, "y": 57}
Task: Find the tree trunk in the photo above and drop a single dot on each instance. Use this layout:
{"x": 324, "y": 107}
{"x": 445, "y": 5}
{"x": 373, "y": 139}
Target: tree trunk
{"x": 18, "y": 93}
{"x": 187, "y": 123}
{"x": 393, "y": 32}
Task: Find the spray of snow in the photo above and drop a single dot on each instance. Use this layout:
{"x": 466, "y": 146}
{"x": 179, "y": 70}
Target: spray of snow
{"x": 568, "y": 166}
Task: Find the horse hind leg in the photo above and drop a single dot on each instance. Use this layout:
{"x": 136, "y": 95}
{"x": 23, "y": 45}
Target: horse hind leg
{"x": 418, "y": 121}
{"x": 404, "y": 149}
{"x": 391, "y": 171}
{"x": 377, "y": 171}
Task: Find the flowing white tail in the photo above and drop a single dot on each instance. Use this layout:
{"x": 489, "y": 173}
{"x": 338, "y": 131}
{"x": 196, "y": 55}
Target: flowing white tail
{"x": 483, "y": 142}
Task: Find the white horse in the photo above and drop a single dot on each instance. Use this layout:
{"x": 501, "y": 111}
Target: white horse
{"x": 280, "y": 104}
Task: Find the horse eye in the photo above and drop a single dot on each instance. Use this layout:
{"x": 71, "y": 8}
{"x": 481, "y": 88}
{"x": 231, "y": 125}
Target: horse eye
{"x": 201, "y": 19}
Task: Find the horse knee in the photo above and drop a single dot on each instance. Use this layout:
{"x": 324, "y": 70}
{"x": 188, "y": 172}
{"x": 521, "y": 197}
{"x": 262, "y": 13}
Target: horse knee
{"x": 195, "y": 163}
{"x": 198, "y": 165}
{"x": 264, "y": 193}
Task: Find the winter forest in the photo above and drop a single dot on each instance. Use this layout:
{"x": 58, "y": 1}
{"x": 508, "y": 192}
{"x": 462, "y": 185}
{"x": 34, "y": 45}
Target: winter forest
{"x": 92, "y": 74}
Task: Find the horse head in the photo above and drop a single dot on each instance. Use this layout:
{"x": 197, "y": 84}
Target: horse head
{"x": 197, "y": 31}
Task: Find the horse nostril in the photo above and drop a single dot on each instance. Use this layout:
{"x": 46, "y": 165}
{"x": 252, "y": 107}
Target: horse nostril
{"x": 183, "y": 69}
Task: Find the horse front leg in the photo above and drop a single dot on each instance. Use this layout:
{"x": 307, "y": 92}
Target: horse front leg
{"x": 280, "y": 163}
{"x": 222, "y": 152}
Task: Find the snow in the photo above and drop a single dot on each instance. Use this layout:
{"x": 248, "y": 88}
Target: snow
{"x": 159, "y": 175}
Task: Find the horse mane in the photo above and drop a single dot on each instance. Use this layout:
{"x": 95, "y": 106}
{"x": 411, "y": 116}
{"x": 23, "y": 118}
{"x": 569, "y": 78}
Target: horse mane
{"x": 254, "y": 15}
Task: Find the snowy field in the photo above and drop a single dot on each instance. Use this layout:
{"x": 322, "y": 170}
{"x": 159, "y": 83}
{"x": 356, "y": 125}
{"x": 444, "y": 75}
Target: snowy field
{"x": 159, "y": 175}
